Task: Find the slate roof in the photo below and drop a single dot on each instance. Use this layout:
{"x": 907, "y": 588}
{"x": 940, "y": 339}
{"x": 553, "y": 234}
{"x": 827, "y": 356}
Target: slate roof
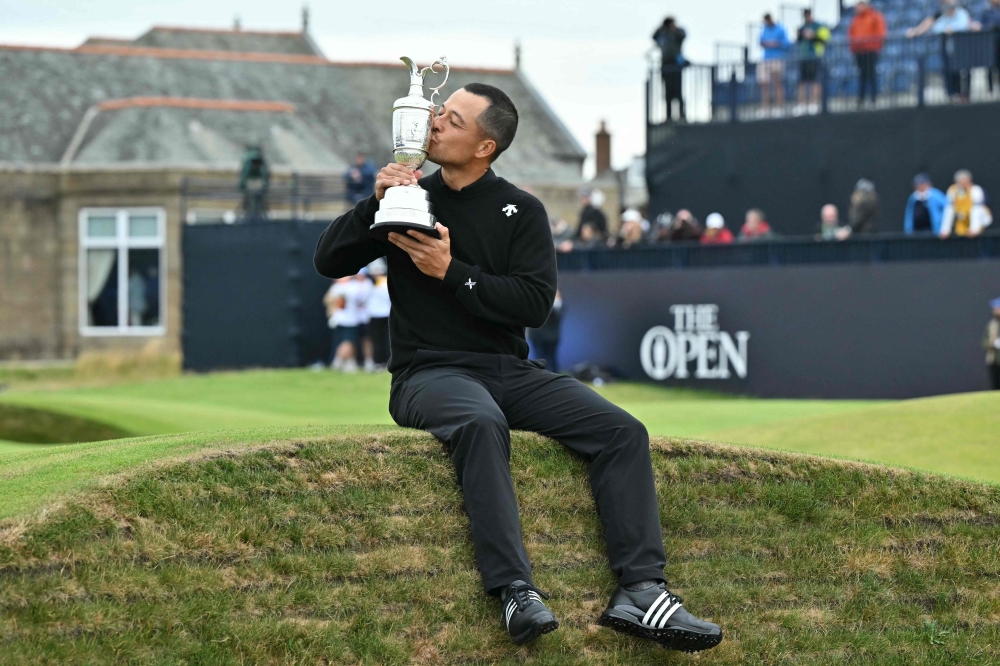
{"x": 243, "y": 41}
{"x": 339, "y": 109}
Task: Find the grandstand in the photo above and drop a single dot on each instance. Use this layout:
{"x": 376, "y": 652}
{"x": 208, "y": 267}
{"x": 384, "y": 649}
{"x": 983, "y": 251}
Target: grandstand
{"x": 910, "y": 72}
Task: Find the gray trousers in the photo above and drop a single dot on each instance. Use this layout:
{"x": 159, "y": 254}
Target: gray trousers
{"x": 471, "y": 401}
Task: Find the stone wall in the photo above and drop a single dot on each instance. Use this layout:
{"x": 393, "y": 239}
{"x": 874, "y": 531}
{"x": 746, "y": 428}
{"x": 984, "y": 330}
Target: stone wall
{"x": 30, "y": 276}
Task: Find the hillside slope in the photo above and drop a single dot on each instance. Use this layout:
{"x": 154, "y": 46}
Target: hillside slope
{"x": 353, "y": 548}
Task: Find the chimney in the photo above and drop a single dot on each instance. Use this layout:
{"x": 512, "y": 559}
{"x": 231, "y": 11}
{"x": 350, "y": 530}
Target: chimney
{"x": 237, "y": 25}
{"x": 305, "y": 19}
{"x": 602, "y": 152}
{"x": 517, "y": 55}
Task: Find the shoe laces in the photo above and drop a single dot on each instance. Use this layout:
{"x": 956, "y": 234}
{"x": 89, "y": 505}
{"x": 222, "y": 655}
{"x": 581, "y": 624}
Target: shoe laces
{"x": 521, "y": 598}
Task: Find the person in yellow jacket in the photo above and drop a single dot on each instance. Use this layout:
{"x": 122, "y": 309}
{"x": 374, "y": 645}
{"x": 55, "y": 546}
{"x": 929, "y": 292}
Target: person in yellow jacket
{"x": 966, "y": 213}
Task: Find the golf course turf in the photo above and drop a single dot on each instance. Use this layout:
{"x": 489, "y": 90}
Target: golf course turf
{"x": 350, "y": 545}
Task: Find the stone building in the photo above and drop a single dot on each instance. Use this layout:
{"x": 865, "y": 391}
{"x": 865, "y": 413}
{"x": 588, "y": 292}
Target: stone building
{"x": 109, "y": 149}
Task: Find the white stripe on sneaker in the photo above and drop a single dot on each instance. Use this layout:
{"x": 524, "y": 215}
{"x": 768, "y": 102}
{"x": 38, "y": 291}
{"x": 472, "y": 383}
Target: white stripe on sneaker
{"x": 511, "y": 605}
{"x": 666, "y": 616}
{"x": 652, "y": 609}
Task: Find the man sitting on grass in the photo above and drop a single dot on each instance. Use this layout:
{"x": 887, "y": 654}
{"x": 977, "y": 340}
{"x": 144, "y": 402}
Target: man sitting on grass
{"x": 460, "y": 305}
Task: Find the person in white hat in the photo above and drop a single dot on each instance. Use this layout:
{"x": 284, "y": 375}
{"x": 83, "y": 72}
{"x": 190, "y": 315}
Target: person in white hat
{"x": 715, "y": 231}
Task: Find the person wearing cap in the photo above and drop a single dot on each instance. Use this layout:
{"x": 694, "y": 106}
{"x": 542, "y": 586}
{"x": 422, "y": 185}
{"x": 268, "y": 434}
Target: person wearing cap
{"x": 378, "y": 306}
{"x": 992, "y": 344}
{"x": 715, "y": 231}
{"x": 925, "y": 207}
{"x": 863, "y": 211}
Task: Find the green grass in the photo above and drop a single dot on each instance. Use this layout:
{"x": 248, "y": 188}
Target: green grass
{"x": 298, "y": 397}
{"x": 39, "y": 426}
{"x": 956, "y": 434}
{"x": 331, "y": 546}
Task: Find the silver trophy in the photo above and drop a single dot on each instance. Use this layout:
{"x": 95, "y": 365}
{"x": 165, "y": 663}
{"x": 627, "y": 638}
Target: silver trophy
{"x": 406, "y": 207}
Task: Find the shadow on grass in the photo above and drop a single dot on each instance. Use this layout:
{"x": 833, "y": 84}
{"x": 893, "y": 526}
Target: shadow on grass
{"x": 37, "y": 426}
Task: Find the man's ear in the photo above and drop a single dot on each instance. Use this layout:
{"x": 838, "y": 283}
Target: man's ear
{"x": 486, "y": 148}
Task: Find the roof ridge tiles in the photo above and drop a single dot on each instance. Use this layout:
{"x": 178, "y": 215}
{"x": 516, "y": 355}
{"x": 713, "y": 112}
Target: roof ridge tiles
{"x": 243, "y": 56}
{"x": 196, "y": 103}
{"x": 226, "y": 31}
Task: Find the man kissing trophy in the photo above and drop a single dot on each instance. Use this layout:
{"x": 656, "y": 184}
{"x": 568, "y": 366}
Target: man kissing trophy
{"x": 462, "y": 295}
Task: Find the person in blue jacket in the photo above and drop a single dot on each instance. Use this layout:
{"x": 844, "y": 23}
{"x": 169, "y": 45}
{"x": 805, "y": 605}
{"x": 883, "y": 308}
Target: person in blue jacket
{"x": 925, "y": 208}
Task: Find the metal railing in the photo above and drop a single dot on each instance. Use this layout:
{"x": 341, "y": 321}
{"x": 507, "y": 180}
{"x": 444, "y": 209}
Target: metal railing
{"x": 291, "y": 196}
{"x": 875, "y": 248}
{"x": 928, "y": 70}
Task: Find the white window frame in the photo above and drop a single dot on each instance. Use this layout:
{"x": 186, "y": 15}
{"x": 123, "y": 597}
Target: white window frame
{"x": 122, "y": 243}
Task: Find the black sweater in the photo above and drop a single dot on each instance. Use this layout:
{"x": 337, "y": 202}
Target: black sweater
{"x": 502, "y": 276}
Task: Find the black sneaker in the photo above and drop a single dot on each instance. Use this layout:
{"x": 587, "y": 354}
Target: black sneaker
{"x": 525, "y": 615}
{"x": 657, "y": 614}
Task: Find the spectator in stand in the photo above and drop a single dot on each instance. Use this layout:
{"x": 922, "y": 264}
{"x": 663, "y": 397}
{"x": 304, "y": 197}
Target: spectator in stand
{"x": 670, "y": 38}
{"x": 715, "y": 231}
{"x": 966, "y": 213}
{"x": 562, "y": 234}
{"x": 830, "y": 228}
{"x": 992, "y": 344}
{"x": 363, "y": 291}
{"x": 685, "y": 227}
{"x": 863, "y": 212}
{"x": 660, "y": 229}
{"x": 592, "y": 214}
{"x": 630, "y": 235}
{"x": 360, "y": 179}
{"x": 771, "y": 70}
{"x": 950, "y": 19}
{"x": 378, "y": 306}
{"x": 812, "y": 38}
{"x": 925, "y": 207}
{"x": 588, "y": 239}
{"x": 866, "y": 36}
{"x": 989, "y": 21}
{"x": 545, "y": 340}
{"x": 755, "y": 228}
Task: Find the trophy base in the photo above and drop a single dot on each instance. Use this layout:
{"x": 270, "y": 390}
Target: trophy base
{"x": 381, "y": 230}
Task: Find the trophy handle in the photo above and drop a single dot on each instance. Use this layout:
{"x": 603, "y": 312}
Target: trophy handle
{"x": 443, "y": 61}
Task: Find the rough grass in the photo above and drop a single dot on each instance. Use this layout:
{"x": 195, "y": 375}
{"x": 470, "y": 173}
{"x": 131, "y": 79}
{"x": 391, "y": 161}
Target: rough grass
{"x": 355, "y": 549}
{"x": 38, "y": 426}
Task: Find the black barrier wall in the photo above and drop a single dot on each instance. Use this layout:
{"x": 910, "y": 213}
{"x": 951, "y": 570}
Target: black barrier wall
{"x": 791, "y": 167}
{"x": 252, "y": 297}
{"x": 899, "y": 330}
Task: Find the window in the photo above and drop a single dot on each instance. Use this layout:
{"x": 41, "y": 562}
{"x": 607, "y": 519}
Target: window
{"x": 121, "y": 267}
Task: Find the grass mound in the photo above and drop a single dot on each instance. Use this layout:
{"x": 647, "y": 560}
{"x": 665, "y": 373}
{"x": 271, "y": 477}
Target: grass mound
{"x": 38, "y": 426}
{"x": 355, "y": 549}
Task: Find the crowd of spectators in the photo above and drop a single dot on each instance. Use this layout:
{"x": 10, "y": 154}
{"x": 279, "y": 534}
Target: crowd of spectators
{"x": 963, "y": 210}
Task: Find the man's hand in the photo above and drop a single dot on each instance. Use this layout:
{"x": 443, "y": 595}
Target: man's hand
{"x": 392, "y": 175}
{"x": 432, "y": 256}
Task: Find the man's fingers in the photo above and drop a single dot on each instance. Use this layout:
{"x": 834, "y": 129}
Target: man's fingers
{"x": 443, "y": 230}
{"x": 406, "y": 242}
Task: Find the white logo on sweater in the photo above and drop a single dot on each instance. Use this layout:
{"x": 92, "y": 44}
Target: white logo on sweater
{"x": 470, "y": 284}
{"x": 509, "y": 209}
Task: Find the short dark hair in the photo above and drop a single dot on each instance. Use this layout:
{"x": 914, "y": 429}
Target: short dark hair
{"x": 499, "y": 120}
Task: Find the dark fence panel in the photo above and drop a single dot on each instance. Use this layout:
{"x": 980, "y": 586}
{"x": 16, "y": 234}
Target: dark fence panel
{"x": 252, "y": 297}
{"x": 894, "y": 330}
{"x": 791, "y": 167}
{"x": 860, "y": 249}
